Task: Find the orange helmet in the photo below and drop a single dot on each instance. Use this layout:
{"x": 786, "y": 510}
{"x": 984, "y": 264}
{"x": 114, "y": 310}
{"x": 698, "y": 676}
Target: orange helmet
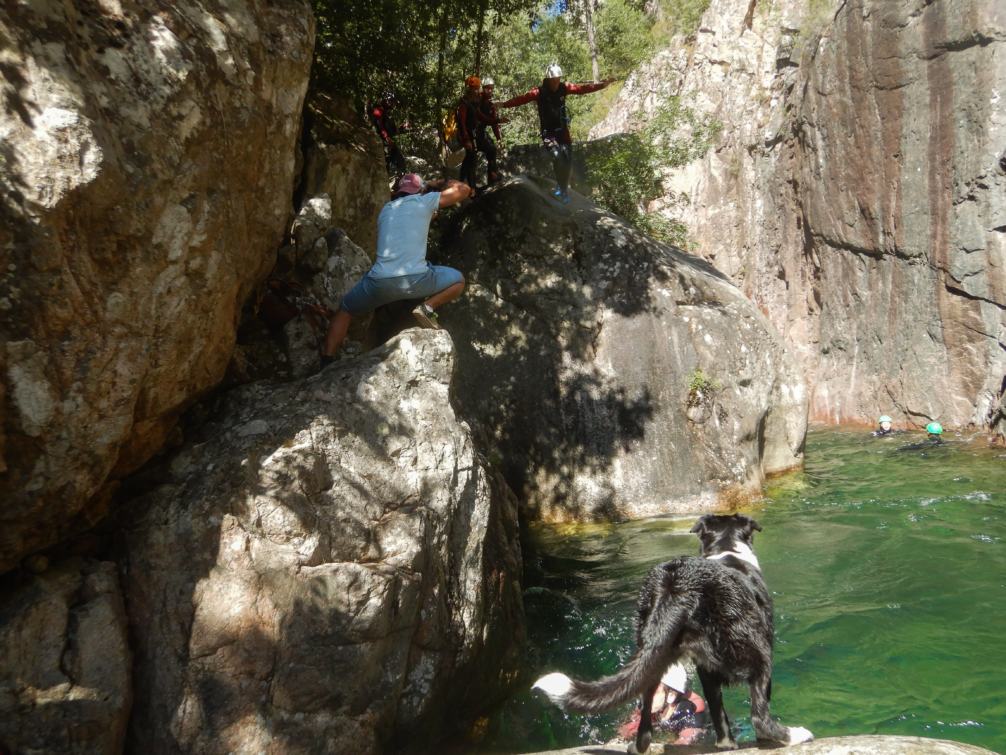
{"x": 473, "y": 81}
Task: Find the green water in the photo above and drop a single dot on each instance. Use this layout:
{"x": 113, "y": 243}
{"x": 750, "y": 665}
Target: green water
{"x": 888, "y": 571}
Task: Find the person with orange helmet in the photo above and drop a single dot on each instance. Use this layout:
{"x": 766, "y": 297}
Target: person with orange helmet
{"x": 466, "y": 116}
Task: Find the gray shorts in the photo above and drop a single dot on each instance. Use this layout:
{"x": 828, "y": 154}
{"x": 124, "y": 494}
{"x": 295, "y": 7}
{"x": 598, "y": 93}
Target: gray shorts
{"x": 370, "y": 293}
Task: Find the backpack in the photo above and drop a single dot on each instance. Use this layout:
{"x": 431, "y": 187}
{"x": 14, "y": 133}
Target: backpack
{"x": 451, "y": 136}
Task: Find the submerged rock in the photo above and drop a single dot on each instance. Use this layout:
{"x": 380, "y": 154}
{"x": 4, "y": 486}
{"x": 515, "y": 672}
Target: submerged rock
{"x": 582, "y": 347}
{"x": 147, "y": 155}
{"x": 65, "y": 663}
{"x": 333, "y": 571}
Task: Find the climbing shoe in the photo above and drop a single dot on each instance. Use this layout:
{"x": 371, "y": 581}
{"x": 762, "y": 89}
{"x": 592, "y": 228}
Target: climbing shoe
{"x": 557, "y": 192}
{"x": 564, "y": 197}
{"x": 325, "y": 360}
{"x": 426, "y": 316}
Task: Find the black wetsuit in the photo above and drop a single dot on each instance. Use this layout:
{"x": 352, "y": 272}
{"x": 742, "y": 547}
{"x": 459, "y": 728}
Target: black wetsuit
{"x": 487, "y": 117}
{"x": 467, "y": 120}
{"x": 553, "y": 119}
{"x": 933, "y": 442}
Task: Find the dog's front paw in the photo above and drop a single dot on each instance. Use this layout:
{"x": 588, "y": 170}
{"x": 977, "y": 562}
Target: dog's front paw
{"x": 726, "y": 744}
{"x": 798, "y": 734}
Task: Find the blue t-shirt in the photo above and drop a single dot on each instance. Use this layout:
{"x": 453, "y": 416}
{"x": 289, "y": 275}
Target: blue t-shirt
{"x": 402, "y": 230}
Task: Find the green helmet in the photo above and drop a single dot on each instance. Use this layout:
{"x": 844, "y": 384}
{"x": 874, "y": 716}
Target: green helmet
{"x": 884, "y": 418}
{"x": 934, "y": 428}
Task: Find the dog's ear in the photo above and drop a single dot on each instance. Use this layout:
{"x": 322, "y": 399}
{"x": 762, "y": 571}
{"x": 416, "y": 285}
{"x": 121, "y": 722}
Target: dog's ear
{"x": 699, "y": 527}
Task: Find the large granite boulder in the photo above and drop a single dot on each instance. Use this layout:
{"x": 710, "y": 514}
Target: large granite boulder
{"x": 65, "y": 669}
{"x": 856, "y": 191}
{"x": 344, "y": 159}
{"x": 612, "y": 376}
{"x": 147, "y": 155}
{"x": 334, "y": 569}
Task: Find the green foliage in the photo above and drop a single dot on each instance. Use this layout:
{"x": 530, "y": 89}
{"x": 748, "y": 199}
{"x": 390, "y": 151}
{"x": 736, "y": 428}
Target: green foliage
{"x": 701, "y": 386}
{"x": 521, "y": 49}
{"x": 623, "y": 37}
{"x": 681, "y": 134}
{"x": 625, "y": 170}
{"x": 676, "y": 17}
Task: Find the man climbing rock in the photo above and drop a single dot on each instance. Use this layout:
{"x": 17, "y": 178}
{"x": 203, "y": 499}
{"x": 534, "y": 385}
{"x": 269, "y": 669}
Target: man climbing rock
{"x": 401, "y": 271}
{"x": 466, "y": 117}
{"x": 488, "y": 117}
{"x": 381, "y": 117}
{"x": 554, "y": 121}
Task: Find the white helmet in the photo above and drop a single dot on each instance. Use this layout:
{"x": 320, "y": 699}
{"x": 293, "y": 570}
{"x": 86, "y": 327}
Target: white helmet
{"x": 488, "y": 81}
{"x": 553, "y": 71}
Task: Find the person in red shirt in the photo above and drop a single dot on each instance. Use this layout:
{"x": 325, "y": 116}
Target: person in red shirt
{"x": 384, "y": 123}
{"x": 553, "y": 120}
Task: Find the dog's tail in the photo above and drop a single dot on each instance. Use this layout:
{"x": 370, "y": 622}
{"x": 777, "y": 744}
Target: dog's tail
{"x": 642, "y": 671}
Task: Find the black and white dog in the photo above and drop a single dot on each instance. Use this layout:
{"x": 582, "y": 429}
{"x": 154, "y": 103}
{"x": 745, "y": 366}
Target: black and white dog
{"x": 714, "y": 610}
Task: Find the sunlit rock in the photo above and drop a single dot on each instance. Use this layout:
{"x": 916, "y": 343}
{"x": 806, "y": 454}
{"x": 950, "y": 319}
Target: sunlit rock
{"x": 583, "y": 345}
{"x": 334, "y": 568}
{"x": 147, "y": 155}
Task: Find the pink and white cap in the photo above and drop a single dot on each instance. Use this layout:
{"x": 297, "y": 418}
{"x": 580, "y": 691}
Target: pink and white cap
{"x": 410, "y": 183}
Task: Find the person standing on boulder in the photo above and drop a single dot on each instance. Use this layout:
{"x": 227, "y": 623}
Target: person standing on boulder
{"x": 554, "y": 120}
{"x": 401, "y": 271}
{"x": 488, "y": 117}
{"x": 387, "y": 129}
{"x": 467, "y": 119}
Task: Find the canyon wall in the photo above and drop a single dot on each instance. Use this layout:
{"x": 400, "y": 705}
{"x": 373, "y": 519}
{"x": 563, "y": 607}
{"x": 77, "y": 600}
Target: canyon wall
{"x": 856, "y": 191}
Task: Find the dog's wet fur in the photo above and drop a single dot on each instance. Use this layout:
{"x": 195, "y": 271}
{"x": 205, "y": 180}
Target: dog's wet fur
{"x": 713, "y": 610}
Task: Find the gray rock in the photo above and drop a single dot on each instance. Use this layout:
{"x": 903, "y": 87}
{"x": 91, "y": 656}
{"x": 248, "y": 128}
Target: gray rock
{"x": 340, "y": 582}
{"x": 345, "y": 161}
{"x": 313, "y": 221}
{"x": 857, "y": 745}
{"x": 146, "y": 164}
{"x": 65, "y": 673}
{"x": 577, "y": 341}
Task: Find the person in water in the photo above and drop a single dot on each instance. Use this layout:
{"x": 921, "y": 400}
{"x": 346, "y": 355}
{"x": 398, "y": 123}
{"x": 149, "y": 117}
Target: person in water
{"x": 553, "y": 119}
{"x": 884, "y": 426}
{"x": 675, "y": 709}
{"x": 934, "y": 437}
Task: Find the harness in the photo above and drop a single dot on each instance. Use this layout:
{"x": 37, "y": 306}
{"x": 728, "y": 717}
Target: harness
{"x": 552, "y": 113}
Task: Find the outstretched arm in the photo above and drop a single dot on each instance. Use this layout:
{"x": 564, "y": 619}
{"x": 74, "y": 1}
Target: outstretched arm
{"x": 587, "y": 88}
{"x": 521, "y": 99}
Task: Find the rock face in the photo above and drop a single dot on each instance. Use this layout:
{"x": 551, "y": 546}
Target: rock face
{"x": 345, "y": 160}
{"x": 857, "y": 191}
{"x": 65, "y": 675}
{"x": 613, "y": 376}
{"x": 147, "y": 157}
{"x": 335, "y": 572}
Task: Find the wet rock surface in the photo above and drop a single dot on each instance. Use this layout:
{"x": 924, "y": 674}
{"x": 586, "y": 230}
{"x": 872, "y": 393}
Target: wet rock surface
{"x": 335, "y": 569}
{"x": 612, "y": 376}
{"x": 148, "y": 155}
